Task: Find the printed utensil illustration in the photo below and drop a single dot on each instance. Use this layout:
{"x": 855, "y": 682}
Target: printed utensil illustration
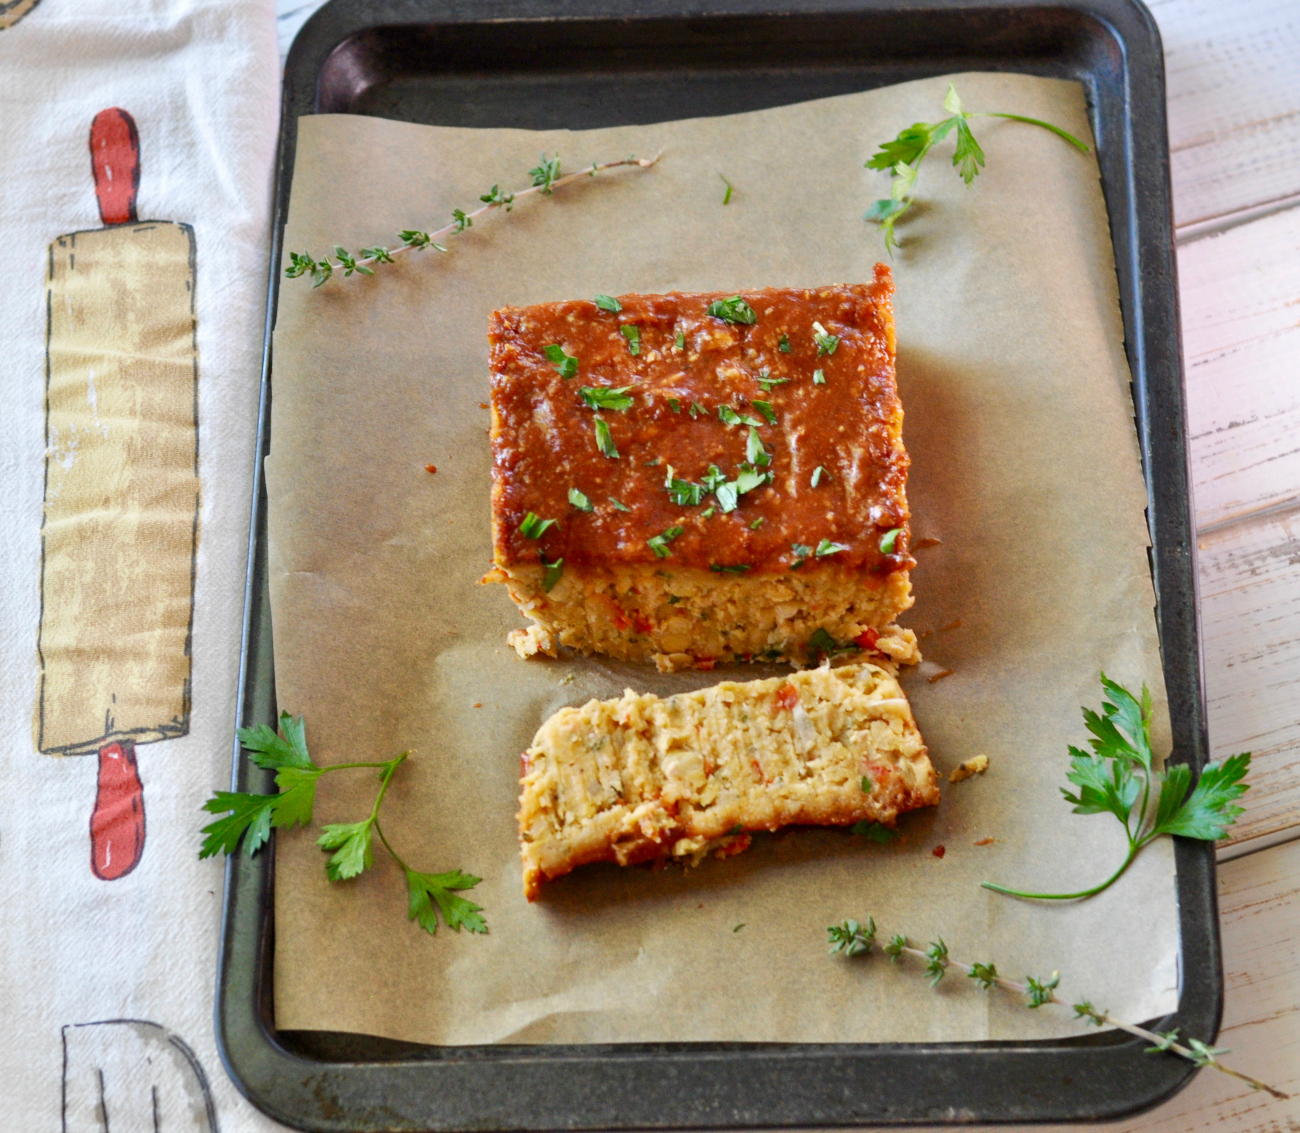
{"x": 11, "y": 11}
{"x": 132, "y": 1074}
{"x": 120, "y": 526}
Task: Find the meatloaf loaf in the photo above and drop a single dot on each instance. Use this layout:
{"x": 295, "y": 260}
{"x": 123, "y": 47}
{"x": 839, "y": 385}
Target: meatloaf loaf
{"x": 642, "y": 777}
{"x": 698, "y": 478}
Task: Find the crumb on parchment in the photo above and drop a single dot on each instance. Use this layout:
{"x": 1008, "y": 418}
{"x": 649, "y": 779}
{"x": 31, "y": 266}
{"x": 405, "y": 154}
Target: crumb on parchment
{"x": 976, "y": 766}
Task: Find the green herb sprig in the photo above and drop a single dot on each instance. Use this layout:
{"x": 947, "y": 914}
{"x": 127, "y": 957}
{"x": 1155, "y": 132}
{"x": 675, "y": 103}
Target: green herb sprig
{"x": 546, "y": 178}
{"x": 903, "y": 156}
{"x": 1119, "y": 777}
{"x": 250, "y": 818}
{"x": 852, "y": 939}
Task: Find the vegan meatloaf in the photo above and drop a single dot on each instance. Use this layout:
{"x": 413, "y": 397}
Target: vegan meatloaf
{"x": 642, "y": 777}
{"x": 698, "y": 478}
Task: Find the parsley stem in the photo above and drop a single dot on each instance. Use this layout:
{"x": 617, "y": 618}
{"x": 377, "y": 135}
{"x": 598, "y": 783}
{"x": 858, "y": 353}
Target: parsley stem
{"x": 1039, "y": 122}
{"x": 1135, "y": 845}
{"x": 344, "y": 766}
{"x": 389, "y": 847}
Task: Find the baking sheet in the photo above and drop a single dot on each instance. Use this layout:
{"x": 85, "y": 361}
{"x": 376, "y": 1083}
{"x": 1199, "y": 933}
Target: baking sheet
{"x": 1025, "y": 464}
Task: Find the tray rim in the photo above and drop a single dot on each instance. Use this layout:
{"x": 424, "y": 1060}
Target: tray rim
{"x": 532, "y": 1087}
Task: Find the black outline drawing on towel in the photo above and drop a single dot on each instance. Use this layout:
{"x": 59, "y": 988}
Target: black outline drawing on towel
{"x": 119, "y": 533}
{"x": 132, "y": 1076}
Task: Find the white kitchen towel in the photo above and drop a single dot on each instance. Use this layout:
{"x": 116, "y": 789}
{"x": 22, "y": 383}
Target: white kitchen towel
{"x": 137, "y": 139}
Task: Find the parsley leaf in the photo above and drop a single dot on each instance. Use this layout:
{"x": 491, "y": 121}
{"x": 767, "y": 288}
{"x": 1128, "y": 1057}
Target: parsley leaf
{"x": 674, "y": 405}
{"x": 608, "y": 303}
{"x": 434, "y": 892}
{"x": 903, "y": 156}
{"x": 768, "y": 383}
{"x": 696, "y": 409}
{"x": 755, "y": 453}
{"x": 801, "y": 552}
{"x": 618, "y": 505}
{"x": 826, "y": 343}
{"x": 819, "y": 377}
{"x": 765, "y": 408}
{"x": 1118, "y": 777}
{"x": 733, "y": 310}
{"x": 565, "y": 364}
{"x": 817, "y": 475}
{"x": 604, "y": 441}
{"x": 606, "y": 397}
{"x": 554, "y": 572}
{"x": 659, "y": 543}
{"x": 679, "y": 340}
{"x": 534, "y": 526}
{"x": 784, "y": 344}
{"x": 685, "y": 494}
{"x": 826, "y": 547}
{"x": 889, "y": 539}
{"x": 353, "y": 846}
{"x": 632, "y": 333}
{"x": 579, "y": 500}
{"x": 721, "y": 568}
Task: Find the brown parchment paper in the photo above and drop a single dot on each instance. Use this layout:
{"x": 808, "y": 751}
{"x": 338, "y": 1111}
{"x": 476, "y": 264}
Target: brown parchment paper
{"x": 1025, "y": 465}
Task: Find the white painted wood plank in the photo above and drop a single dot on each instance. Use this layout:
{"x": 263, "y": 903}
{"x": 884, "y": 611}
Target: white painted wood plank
{"x": 1250, "y": 619}
{"x": 1259, "y": 906}
{"x": 1241, "y": 337}
{"x": 1234, "y": 102}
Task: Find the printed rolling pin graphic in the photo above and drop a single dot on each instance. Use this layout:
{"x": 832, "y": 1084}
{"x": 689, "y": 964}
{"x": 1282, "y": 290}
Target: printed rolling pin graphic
{"x": 120, "y": 530}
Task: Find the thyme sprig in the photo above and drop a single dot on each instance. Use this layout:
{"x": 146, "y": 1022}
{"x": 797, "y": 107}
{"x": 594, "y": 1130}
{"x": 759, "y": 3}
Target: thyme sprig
{"x": 546, "y": 178}
{"x": 851, "y": 938}
{"x": 903, "y": 156}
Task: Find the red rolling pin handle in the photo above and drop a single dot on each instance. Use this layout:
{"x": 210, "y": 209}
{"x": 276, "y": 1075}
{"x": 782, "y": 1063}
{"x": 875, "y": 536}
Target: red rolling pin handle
{"x": 117, "y": 824}
{"x": 115, "y": 163}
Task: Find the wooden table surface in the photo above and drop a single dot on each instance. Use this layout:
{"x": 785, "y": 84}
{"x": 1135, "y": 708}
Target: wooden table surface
{"x": 1233, "y": 73}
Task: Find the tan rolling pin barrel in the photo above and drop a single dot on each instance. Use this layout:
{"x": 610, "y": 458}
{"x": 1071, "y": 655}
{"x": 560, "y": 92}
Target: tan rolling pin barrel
{"x": 121, "y": 492}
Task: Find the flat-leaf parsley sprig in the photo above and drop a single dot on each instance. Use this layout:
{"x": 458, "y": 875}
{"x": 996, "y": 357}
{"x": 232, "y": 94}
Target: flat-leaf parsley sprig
{"x": 852, "y": 938}
{"x": 1118, "y": 777}
{"x": 546, "y": 178}
{"x": 250, "y": 818}
{"x": 903, "y": 157}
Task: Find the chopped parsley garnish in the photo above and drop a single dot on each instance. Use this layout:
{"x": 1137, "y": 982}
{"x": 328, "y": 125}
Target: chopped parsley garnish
{"x": 682, "y": 492}
{"x": 553, "y": 572}
{"x": 751, "y": 478}
{"x": 784, "y": 344}
{"x": 817, "y": 475}
{"x": 755, "y": 453}
{"x": 739, "y": 568}
{"x": 708, "y": 511}
{"x": 713, "y": 479}
{"x": 867, "y": 785}
{"x": 606, "y": 397}
{"x": 679, "y": 340}
{"x": 767, "y": 383}
{"x": 823, "y": 642}
{"x": 729, "y": 416}
{"x": 801, "y": 552}
{"x": 633, "y": 335}
{"x": 604, "y": 441}
{"x": 659, "y": 543}
{"x": 765, "y": 408}
{"x": 674, "y": 405}
{"x": 579, "y": 500}
{"x": 565, "y": 364}
{"x": 733, "y": 310}
{"x": 756, "y": 524}
{"x": 608, "y": 303}
{"x": 534, "y": 527}
{"x": 696, "y": 409}
{"x": 889, "y": 540}
{"x": 729, "y": 493}
{"x": 826, "y": 547}
{"x": 819, "y": 378}
{"x": 826, "y": 342}
{"x": 619, "y": 504}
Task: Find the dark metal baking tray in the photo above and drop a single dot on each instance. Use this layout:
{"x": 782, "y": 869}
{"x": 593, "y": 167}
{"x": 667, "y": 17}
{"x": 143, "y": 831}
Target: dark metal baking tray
{"x": 586, "y": 63}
